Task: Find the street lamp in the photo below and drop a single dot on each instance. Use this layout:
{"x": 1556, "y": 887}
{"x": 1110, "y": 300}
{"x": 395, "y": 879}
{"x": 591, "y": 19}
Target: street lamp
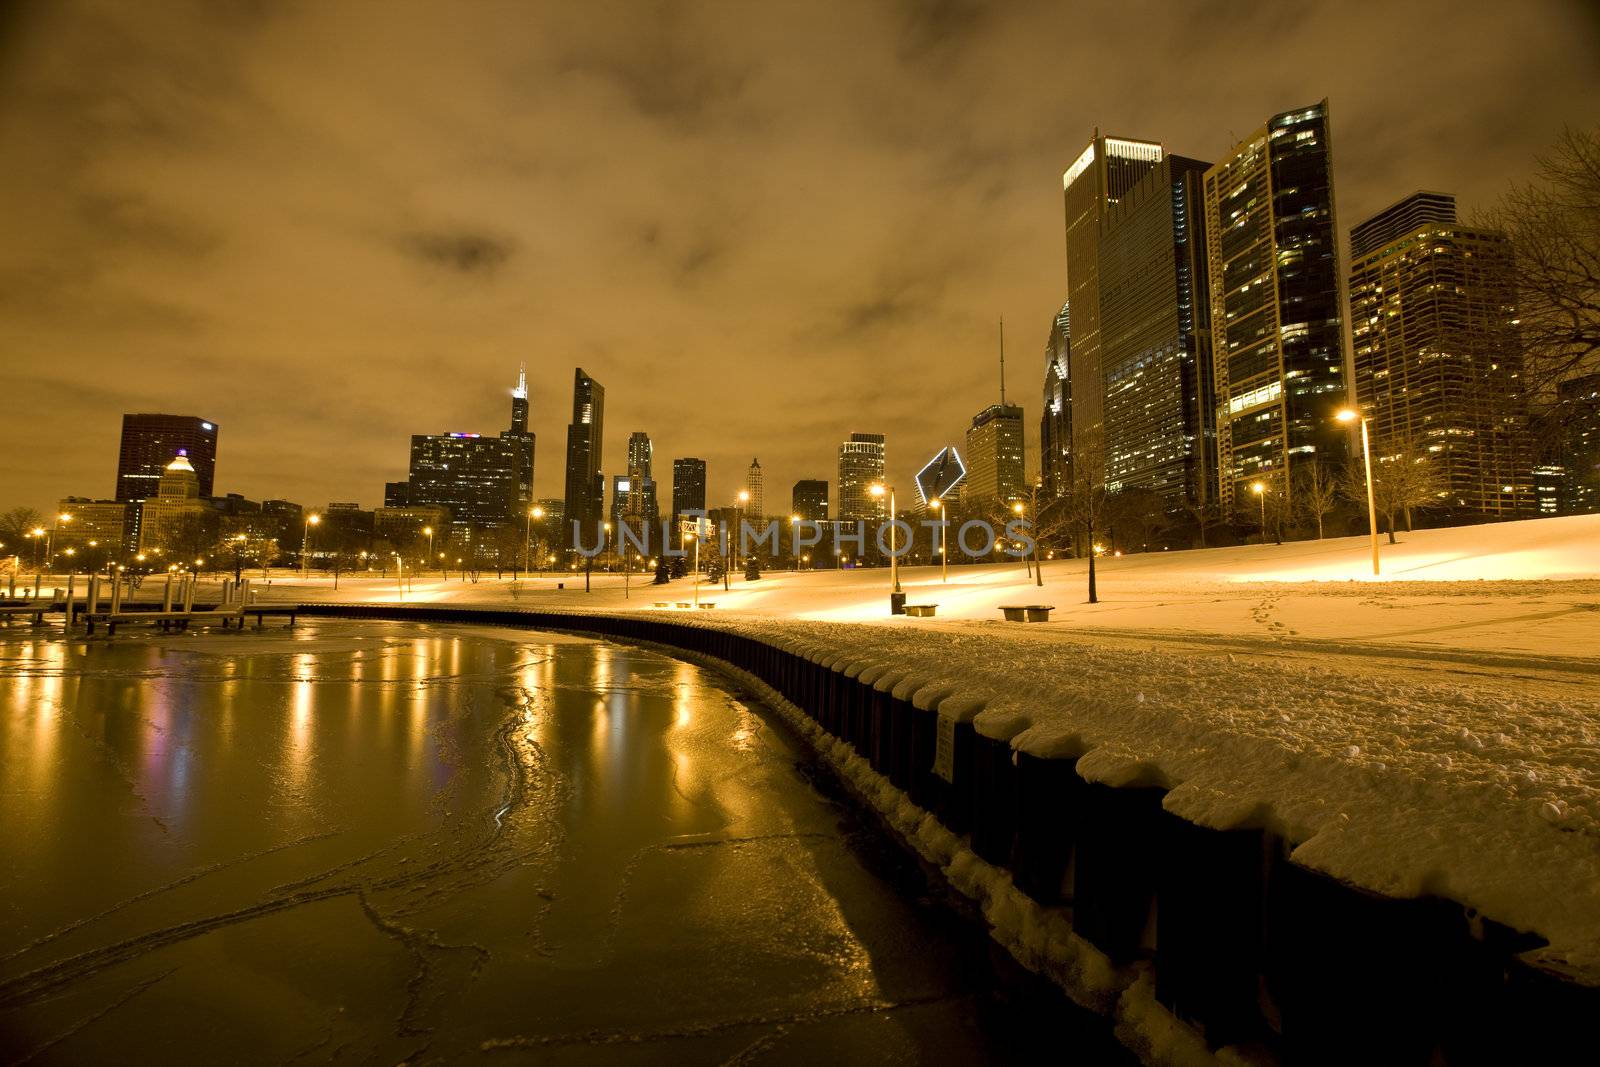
{"x": 794, "y": 540}
{"x": 305, "y": 542}
{"x": 1018, "y": 510}
{"x": 429, "y": 531}
{"x": 944, "y": 557}
{"x": 881, "y": 490}
{"x": 1348, "y": 415}
{"x": 1260, "y": 490}
{"x": 535, "y": 512}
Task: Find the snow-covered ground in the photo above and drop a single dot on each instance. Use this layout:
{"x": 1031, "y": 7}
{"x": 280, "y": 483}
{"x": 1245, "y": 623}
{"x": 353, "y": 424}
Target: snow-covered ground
{"x": 1433, "y": 731}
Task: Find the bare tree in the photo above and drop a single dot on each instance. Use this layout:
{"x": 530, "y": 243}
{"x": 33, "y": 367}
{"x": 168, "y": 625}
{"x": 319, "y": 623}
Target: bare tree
{"x": 1084, "y": 500}
{"x": 1317, "y": 492}
{"x": 1554, "y": 225}
{"x": 16, "y": 526}
{"x": 1402, "y": 480}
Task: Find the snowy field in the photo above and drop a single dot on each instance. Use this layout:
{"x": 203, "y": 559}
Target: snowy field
{"x": 1433, "y": 731}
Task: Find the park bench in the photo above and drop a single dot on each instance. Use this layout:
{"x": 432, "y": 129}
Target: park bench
{"x": 1027, "y": 612}
{"x": 921, "y": 611}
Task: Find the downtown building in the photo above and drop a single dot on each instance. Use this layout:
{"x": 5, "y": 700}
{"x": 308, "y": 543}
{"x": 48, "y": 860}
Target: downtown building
{"x": 809, "y": 500}
{"x": 1055, "y": 422}
{"x": 585, "y": 484}
{"x": 151, "y": 442}
{"x": 176, "y": 520}
{"x": 1436, "y": 357}
{"x": 1577, "y": 418}
{"x": 1277, "y": 343}
{"x": 1101, "y": 175}
{"x": 1155, "y": 338}
{"x": 861, "y": 466}
{"x": 483, "y": 482}
{"x": 996, "y": 471}
{"x": 754, "y": 486}
{"x": 688, "y": 489}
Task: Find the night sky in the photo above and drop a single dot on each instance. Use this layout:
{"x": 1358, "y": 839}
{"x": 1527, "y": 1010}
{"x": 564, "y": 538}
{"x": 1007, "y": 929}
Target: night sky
{"x": 328, "y": 226}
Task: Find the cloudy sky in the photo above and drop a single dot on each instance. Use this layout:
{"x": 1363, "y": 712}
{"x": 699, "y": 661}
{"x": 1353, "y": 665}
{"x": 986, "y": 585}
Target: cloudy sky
{"x": 330, "y": 225}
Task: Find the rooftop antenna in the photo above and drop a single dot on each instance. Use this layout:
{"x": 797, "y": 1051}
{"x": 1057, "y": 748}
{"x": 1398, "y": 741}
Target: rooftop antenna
{"x": 1002, "y": 361}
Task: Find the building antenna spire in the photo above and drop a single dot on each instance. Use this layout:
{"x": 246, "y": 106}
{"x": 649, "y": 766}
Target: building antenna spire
{"x": 1002, "y": 361}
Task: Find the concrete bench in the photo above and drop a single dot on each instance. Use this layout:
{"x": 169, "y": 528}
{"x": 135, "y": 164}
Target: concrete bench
{"x": 1027, "y": 612}
{"x": 921, "y": 611}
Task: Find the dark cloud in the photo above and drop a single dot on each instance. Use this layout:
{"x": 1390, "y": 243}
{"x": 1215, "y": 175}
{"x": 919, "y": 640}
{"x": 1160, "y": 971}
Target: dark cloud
{"x": 331, "y": 225}
{"x": 466, "y": 253}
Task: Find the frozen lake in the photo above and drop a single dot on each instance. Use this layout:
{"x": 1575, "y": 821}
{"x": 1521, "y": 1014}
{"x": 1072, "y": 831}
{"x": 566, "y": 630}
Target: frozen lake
{"x": 386, "y": 842}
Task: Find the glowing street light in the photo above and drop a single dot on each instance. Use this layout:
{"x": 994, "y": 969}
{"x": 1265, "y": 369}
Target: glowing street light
{"x": 881, "y": 490}
{"x": 534, "y": 513}
{"x": 1260, "y": 490}
{"x": 305, "y": 542}
{"x": 944, "y": 557}
{"x": 429, "y": 531}
{"x": 1348, "y": 415}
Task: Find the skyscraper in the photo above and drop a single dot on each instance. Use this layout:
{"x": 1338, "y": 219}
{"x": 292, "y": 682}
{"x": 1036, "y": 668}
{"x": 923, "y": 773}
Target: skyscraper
{"x": 151, "y": 442}
{"x": 1098, "y": 178}
{"x": 1276, "y": 334}
{"x": 756, "y": 506}
{"x": 688, "y": 488}
{"x": 1155, "y": 337}
{"x": 641, "y": 503}
{"x": 170, "y": 515}
{"x": 995, "y": 464}
{"x": 585, "y": 495}
{"x": 1055, "y": 424}
{"x": 477, "y": 479}
{"x": 809, "y": 500}
{"x": 523, "y": 439}
{"x": 1578, "y": 415}
{"x": 1438, "y": 364}
{"x": 861, "y": 462}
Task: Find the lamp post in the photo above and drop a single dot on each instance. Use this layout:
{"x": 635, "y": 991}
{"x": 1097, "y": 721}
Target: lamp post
{"x": 895, "y": 596}
{"x": 37, "y": 533}
{"x": 733, "y": 551}
{"x": 1352, "y": 415}
{"x": 305, "y": 543}
{"x": 794, "y": 541}
{"x": 944, "y": 524}
{"x": 527, "y": 537}
{"x": 1260, "y": 490}
{"x": 429, "y": 531}
{"x": 1019, "y": 511}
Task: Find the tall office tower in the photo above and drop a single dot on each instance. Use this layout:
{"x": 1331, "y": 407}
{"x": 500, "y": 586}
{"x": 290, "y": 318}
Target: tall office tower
{"x": 149, "y": 444}
{"x": 688, "y": 487}
{"x": 641, "y": 503}
{"x": 1578, "y": 414}
{"x": 809, "y": 500}
{"x": 756, "y": 506}
{"x": 995, "y": 465}
{"x": 1055, "y": 424}
{"x": 1438, "y": 364}
{"x": 1276, "y": 335}
{"x": 1155, "y": 338}
{"x": 860, "y": 467}
{"x": 585, "y": 495}
{"x": 478, "y": 479}
{"x": 95, "y": 525}
{"x": 522, "y": 438}
{"x": 1100, "y": 176}
{"x": 940, "y": 478}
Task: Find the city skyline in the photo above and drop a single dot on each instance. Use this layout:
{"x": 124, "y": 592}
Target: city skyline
{"x": 152, "y": 274}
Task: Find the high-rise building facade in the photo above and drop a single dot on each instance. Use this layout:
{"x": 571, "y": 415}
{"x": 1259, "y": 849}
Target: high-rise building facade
{"x": 861, "y": 464}
{"x": 1155, "y": 337}
{"x": 477, "y": 479}
{"x": 1578, "y": 416}
{"x": 1276, "y": 329}
{"x": 641, "y": 504}
{"x": 688, "y": 488}
{"x": 1055, "y": 424}
{"x": 93, "y": 524}
{"x": 1097, "y": 179}
{"x": 1437, "y": 360}
{"x": 756, "y": 506}
{"x": 996, "y": 468}
{"x": 522, "y": 439}
{"x": 151, "y": 442}
{"x": 585, "y": 485}
{"x": 809, "y": 500}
